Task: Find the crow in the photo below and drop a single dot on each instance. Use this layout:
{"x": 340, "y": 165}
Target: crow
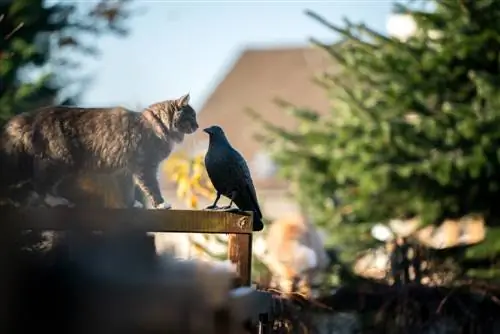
{"x": 230, "y": 176}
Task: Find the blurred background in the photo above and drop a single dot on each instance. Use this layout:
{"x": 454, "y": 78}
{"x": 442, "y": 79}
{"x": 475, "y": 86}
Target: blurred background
{"x": 288, "y": 83}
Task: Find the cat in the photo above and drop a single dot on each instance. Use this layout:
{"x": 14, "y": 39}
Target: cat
{"x": 68, "y": 140}
{"x": 115, "y": 190}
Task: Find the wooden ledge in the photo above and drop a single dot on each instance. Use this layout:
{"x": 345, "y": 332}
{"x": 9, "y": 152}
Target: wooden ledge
{"x": 188, "y": 221}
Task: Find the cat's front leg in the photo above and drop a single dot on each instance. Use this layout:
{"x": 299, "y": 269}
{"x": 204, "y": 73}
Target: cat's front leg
{"x": 146, "y": 180}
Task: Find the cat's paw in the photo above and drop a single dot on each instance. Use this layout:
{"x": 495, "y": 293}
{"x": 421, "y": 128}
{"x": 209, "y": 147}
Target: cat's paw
{"x": 164, "y": 205}
{"x": 53, "y": 201}
{"x": 138, "y": 205}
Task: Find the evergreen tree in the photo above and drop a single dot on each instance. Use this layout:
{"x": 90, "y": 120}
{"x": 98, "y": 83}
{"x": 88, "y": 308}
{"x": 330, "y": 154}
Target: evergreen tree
{"x": 41, "y": 44}
{"x": 413, "y": 129}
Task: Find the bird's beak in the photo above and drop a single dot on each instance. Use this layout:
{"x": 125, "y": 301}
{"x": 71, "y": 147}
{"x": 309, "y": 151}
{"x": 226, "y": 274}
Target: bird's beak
{"x": 206, "y": 130}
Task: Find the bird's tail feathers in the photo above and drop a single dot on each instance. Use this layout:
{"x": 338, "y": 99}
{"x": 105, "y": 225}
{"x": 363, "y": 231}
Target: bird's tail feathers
{"x": 258, "y": 225}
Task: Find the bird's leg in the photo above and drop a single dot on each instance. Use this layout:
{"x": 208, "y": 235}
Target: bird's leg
{"x": 214, "y": 205}
{"x": 227, "y": 207}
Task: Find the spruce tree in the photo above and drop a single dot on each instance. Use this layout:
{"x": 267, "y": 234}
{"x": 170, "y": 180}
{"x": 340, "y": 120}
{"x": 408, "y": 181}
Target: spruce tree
{"x": 40, "y": 44}
{"x": 413, "y": 129}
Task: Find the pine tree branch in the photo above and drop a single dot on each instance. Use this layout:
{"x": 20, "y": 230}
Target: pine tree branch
{"x": 330, "y": 50}
{"x": 352, "y": 98}
{"x": 273, "y": 129}
{"x": 302, "y": 114}
{"x": 384, "y": 39}
{"x": 13, "y": 31}
{"x": 466, "y": 8}
{"x": 400, "y": 8}
{"x": 343, "y": 32}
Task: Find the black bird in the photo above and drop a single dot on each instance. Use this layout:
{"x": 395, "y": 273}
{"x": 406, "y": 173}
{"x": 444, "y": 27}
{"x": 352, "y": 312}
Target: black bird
{"x": 229, "y": 173}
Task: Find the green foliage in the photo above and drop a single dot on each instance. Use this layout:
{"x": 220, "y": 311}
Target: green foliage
{"x": 414, "y": 127}
{"x": 41, "y": 43}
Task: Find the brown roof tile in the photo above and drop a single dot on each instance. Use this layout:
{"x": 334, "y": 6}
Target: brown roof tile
{"x": 257, "y": 78}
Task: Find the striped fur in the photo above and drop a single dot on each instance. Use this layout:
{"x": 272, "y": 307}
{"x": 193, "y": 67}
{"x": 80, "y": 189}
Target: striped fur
{"x": 68, "y": 140}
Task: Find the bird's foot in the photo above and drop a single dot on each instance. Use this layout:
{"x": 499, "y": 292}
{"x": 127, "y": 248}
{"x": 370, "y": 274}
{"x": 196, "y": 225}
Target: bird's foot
{"x": 164, "y": 205}
{"x": 54, "y": 201}
{"x": 222, "y": 208}
{"x": 229, "y": 209}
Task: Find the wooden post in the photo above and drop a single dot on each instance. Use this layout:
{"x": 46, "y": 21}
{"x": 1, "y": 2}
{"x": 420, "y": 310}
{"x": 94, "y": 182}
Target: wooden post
{"x": 240, "y": 254}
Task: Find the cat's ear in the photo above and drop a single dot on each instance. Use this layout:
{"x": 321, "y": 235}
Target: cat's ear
{"x": 183, "y": 101}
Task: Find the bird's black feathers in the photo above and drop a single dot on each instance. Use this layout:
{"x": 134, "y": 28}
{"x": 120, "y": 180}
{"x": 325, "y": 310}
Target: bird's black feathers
{"x": 230, "y": 175}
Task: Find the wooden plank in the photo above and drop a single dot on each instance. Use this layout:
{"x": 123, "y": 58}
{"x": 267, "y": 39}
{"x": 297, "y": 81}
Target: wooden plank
{"x": 240, "y": 254}
{"x": 120, "y": 219}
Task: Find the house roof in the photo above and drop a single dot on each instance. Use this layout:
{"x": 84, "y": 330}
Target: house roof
{"x": 256, "y": 79}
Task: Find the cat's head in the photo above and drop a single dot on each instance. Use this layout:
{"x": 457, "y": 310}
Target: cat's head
{"x": 182, "y": 116}
{"x": 176, "y": 115}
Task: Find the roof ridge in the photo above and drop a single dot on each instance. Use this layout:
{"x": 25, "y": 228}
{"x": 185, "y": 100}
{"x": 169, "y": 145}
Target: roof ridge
{"x": 274, "y": 47}
{"x": 286, "y": 46}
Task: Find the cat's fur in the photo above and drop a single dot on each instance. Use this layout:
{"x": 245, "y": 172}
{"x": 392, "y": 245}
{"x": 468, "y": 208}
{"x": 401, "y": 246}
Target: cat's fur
{"x": 115, "y": 190}
{"x": 54, "y": 142}
{"x": 16, "y": 158}
{"x": 95, "y": 190}
{"x": 68, "y": 140}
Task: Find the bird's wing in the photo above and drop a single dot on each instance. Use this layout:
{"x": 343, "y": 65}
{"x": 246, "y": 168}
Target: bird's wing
{"x": 217, "y": 171}
{"x": 245, "y": 171}
{"x": 253, "y": 197}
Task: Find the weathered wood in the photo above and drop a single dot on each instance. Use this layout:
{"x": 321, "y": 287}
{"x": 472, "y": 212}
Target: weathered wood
{"x": 190, "y": 221}
{"x": 240, "y": 254}
{"x": 238, "y": 225}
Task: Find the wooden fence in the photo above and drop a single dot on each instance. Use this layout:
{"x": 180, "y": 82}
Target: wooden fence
{"x": 237, "y": 225}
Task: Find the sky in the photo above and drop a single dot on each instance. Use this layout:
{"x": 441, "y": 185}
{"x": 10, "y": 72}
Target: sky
{"x": 179, "y": 47}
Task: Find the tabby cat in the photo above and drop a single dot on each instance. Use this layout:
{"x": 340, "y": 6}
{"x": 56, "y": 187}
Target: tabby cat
{"x": 115, "y": 190}
{"x": 106, "y": 140}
